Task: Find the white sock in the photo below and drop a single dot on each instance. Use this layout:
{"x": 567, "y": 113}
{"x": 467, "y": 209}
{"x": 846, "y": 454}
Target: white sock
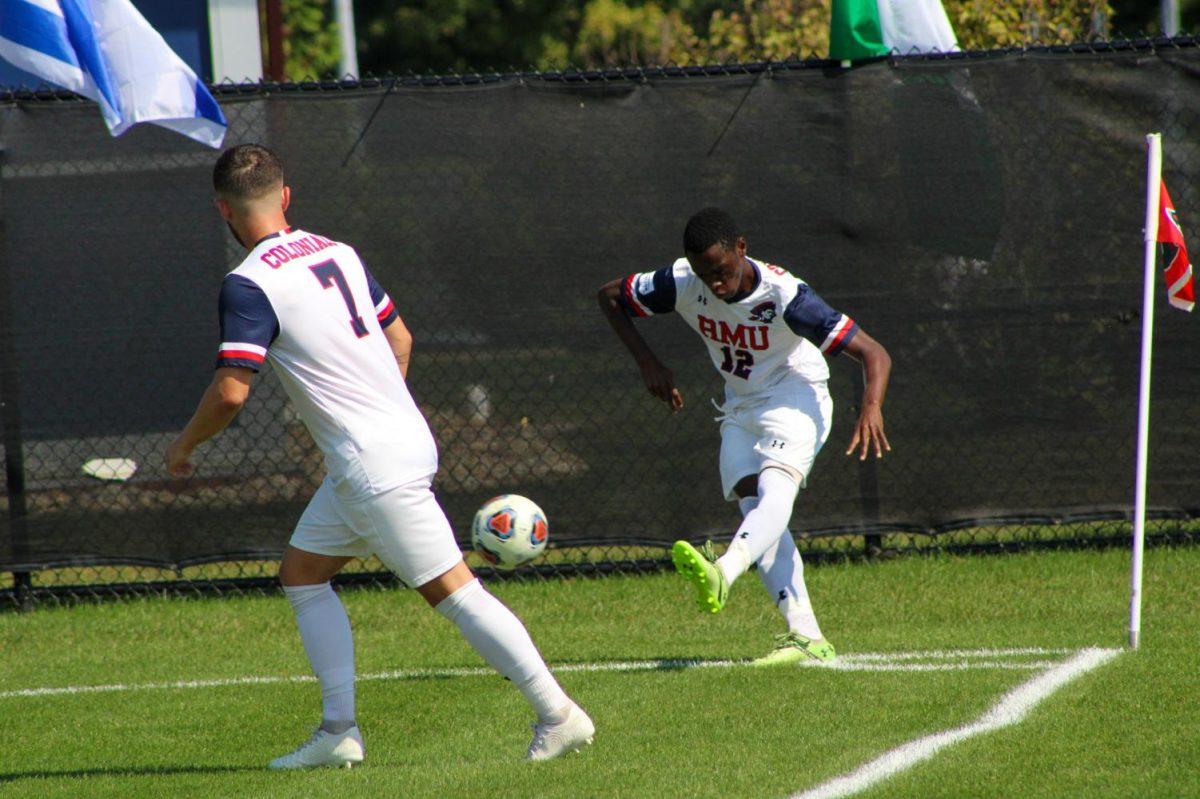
{"x": 325, "y": 631}
{"x": 764, "y": 524}
{"x": 782, "y": 573}
{"x": 736, "y": 560}
{"x": 502, "y": 640}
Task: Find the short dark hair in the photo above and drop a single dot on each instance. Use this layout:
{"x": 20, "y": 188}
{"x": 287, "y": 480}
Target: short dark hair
{"x": 707, "y": 227}
{"x": 246, "y": 172}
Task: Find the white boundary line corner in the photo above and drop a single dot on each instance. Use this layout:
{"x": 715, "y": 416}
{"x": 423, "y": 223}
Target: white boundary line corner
{"x": 1011, "y": 709}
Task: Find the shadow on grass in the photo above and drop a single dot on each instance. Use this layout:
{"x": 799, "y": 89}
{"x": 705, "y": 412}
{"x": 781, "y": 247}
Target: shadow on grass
{"x": 118, "y": 771}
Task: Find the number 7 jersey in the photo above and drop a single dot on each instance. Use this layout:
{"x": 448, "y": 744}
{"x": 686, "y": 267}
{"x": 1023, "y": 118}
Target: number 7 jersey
{"x": 778, "y": 331}
{"x": 309, "y": 305}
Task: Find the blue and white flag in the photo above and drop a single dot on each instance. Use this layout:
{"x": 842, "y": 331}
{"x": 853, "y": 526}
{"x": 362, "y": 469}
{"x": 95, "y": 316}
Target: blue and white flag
{"x": 106, "y": 51}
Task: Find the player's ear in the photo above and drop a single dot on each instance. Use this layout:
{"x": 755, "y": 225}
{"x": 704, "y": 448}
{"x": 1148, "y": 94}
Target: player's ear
{"x": 740, "y": 245}
{"x": 286, "y": 198}
{"x": 223, "y": 209}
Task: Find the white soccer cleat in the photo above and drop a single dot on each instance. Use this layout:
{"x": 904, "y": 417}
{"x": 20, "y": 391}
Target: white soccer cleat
{"x": 324, "y": 749}
{"x": 571, "y": 735}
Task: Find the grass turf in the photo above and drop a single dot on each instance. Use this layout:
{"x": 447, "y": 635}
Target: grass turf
{"x": 1125, "y": 729}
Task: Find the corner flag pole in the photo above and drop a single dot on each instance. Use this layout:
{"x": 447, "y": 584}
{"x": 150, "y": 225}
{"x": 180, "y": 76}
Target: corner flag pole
{"x": 1153, "y": 182}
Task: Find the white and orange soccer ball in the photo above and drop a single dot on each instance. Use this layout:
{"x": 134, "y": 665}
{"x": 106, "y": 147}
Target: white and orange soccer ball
{"x": 509, "y": 531}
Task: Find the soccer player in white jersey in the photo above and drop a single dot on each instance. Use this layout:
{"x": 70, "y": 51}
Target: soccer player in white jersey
{"x": 768, "y": 334}
{"x": 309, "y": 306}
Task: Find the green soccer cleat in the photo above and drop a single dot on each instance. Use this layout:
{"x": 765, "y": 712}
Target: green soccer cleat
{"x": 794, "y": 648}
{"x": 700, "y": 567}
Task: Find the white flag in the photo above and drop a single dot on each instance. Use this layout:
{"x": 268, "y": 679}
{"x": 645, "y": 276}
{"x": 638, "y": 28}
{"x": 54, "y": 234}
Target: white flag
{"x": 106, "y": 51}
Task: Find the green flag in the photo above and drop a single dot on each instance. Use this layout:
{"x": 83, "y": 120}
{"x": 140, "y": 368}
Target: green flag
{"x": 868, "y": 28}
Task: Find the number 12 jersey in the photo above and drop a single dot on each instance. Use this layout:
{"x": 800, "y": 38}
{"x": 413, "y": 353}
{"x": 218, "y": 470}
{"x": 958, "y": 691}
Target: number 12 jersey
{"x": 778, "y": 331}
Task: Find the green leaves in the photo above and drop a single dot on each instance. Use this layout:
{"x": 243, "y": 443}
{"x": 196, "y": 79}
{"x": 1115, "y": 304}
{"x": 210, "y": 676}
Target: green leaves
{"x": 461, "y": 35}
{"x": 310, "y": 44}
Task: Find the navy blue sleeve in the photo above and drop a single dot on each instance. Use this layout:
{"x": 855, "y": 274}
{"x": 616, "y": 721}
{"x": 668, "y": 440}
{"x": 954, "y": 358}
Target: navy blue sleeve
{"x": 248, "y": 323}
{"x": 385, "y": 309}
{"x": 810, "y": 317}
{"x": 649, "y": 292}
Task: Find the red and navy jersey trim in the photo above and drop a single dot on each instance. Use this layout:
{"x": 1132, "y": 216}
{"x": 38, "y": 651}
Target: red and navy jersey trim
{"x": 840, "y": 336}
{"x": 248, "y": 323}
{"x": 649, "y": 293}
{"x": 385, "y": 309}
{"x": 810, "y": 317}
{"x": 629, "y": 300}
{"x": 242, "y": 354}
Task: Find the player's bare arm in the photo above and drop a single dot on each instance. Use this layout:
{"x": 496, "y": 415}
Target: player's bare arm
{"x": 401, "y": 342}
{"x": 222, "y": 400}
{"x": 877, "y": 368}
{"x": 657, "y": 377}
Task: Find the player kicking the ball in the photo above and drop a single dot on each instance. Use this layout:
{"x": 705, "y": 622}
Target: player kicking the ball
{"x": 340, "y": 350}
{"x": 767, "y": 333}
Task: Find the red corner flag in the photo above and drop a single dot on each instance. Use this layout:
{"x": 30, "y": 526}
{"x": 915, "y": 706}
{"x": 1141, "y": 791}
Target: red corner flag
{"x": 1181, "y": 288}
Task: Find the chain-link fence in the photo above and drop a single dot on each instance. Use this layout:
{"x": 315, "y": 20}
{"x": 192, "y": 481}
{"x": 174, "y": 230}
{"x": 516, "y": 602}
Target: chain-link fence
{"x": 980, "y": 214}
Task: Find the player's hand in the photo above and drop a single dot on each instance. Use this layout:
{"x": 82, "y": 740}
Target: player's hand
{"x": 868, "y": 433}
{"x": 661, "y": 383}
{"x": 178, "y": 459}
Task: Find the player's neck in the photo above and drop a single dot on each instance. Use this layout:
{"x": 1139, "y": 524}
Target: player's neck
{"x": 749, "y": 278}
{"x": 254, "y": 229}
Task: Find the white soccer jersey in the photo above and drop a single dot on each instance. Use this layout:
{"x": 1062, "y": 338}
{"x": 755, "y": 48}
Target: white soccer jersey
{"x": 777, "y": 331}
{"x": 309, "y": 305}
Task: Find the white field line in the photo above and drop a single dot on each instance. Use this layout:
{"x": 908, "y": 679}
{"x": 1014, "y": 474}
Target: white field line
{"x": 866, "y": 661}
{"x": 961, "y": 665}
{"x": 953, "y": 654}
{"x": 1012, "y": 708}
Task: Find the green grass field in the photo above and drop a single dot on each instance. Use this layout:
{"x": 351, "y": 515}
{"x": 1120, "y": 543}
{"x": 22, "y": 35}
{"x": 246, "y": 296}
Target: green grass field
{"x": 1128, "y": 728}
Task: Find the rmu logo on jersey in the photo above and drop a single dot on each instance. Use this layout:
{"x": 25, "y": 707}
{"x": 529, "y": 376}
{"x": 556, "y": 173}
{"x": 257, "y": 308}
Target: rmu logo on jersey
{"x": 763, "y": 312}
{"x": 753, "y": 337}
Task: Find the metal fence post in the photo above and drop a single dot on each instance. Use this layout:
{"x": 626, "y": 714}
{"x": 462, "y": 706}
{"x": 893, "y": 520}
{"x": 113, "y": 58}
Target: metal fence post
{"x": 10, "y": 419}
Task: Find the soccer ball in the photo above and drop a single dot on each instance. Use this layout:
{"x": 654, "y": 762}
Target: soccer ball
{"x": 509, "y": 530}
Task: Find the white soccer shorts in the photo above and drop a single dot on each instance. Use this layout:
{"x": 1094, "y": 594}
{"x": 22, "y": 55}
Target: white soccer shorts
{"x": 404, "y": 527}
{"x": 785, "y": 424}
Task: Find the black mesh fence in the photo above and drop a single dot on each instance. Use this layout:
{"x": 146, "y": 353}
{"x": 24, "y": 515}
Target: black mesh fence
{"x": 979, "y": 214}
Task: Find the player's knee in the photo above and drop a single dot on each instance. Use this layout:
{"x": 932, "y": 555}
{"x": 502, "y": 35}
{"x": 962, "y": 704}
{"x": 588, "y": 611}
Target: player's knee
{"x": 445, "y": 584}
{"x": 778, "y": 485}
{"x": 772, "y": 470}
{"x": 292, "y": 575}
{"x": 307, "y": 568}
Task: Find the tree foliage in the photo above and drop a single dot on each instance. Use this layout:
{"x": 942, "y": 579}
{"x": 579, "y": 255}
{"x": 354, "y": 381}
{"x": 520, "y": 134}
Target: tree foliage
{"x": 753, "y": 29}
{"x": 981, "y": 26}
{"x": 310, "y": 39}
{"x": 460, "y": 35}
{"x": 615, "y": 32}
{"x": 619, "y": 32}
